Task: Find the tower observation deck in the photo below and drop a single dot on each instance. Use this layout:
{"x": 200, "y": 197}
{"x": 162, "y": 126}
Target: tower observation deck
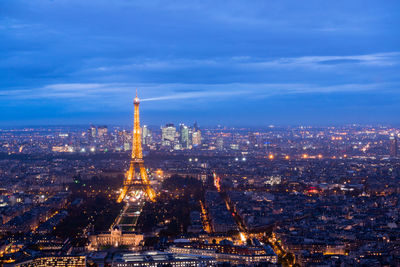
{"x": 136, "y": 177}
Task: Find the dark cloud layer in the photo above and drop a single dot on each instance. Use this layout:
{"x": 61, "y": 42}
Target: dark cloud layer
{"x": 283, "y": 62}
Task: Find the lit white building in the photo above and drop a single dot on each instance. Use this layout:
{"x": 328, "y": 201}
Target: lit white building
{"x": 115, "y": 238}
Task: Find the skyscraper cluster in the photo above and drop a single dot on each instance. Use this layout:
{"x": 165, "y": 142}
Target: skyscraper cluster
{"x": 98, "y": 132}
{"x": 182, "y": 138}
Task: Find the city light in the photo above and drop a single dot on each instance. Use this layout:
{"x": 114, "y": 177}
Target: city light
{"x": 267, "y": 133}
{"x": 242, "y": 237}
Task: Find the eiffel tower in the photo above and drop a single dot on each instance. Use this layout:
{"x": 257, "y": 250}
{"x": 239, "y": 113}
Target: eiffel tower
{"x": 136, "y": 177}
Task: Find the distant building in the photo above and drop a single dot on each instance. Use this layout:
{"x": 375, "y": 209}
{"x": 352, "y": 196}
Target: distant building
{"x": 234, "y": 146}
{"x": 127, "y": 146}
{"x": 93, "y": 131}
{"x": 196, "y": 138}
{"x": 115, "y": 238}
{"x": 146, "y": 135}
{"x": 196, "y": 135}
{"x": 157, "y": 258}
{"x": 27, "y": 221}
{"x": 168, "y": 134}
{"x": 127, "y": 140}
{"x": 228, "y": 253}
{"x": 65, "y": 148}
{"x": 393, "y": 146}
{"x": 62, "y": 261}
{"x": 219, "y": 143}
{"x": 184, "y": 137}
{"x": 273, "y": 180}
{"x": 102, "y": 132}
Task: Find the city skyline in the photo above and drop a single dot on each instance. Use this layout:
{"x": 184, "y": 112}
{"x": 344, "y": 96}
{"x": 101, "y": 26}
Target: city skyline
{"x": 267, "y": 134}
{"x": 279, "y": 63}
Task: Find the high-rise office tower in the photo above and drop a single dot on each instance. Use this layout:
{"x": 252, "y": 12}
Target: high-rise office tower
{"x": 393, "y": 146}
{"x": 184, "y": 136}
{"x": 219, "y": 143}
{"x": 196, "y": 135}
{"x": 93, "y": 131}
{"x": 196, "y": 138}
{"x": 146, "y": 135}
{"x": 168, "y": 134}
{"x": 190, "y": 134}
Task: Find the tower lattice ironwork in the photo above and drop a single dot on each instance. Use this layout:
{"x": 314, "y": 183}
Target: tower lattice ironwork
{"x": 136, "y": 176}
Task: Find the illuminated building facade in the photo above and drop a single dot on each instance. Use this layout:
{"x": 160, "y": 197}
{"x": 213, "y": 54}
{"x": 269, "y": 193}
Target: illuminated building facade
{"x": 102, "y": 131}
{"x": 65, "y": 148}
{"x": 226, "y": 252}
{"x": 146, "y": 135}
{"x": 184, "y": 136}
{"x": 196, "y": 138}
{"x": 168, "y": 135}
{"x": 157, "y": 258}
{"x": 61, "y": 261}
{"x": 114, "y": 238}
{"x": 93, "y": 131}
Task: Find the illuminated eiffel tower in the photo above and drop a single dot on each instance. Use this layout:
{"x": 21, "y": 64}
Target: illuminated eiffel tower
{"x": 136, "y": 176}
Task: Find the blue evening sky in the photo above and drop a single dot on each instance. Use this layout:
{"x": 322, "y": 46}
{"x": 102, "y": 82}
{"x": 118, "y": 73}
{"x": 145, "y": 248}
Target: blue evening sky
{"x": 249, "y": 63}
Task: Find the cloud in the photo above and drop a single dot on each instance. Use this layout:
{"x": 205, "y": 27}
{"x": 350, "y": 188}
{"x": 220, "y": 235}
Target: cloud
{"x": 246, "y": 64}
{"x": 95, "y": 53}
{"x": 373, "y": 60}
{"x": 161, "y": 92}
{"x": 74, "y": 86}
{"x": 67, "y": 90}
